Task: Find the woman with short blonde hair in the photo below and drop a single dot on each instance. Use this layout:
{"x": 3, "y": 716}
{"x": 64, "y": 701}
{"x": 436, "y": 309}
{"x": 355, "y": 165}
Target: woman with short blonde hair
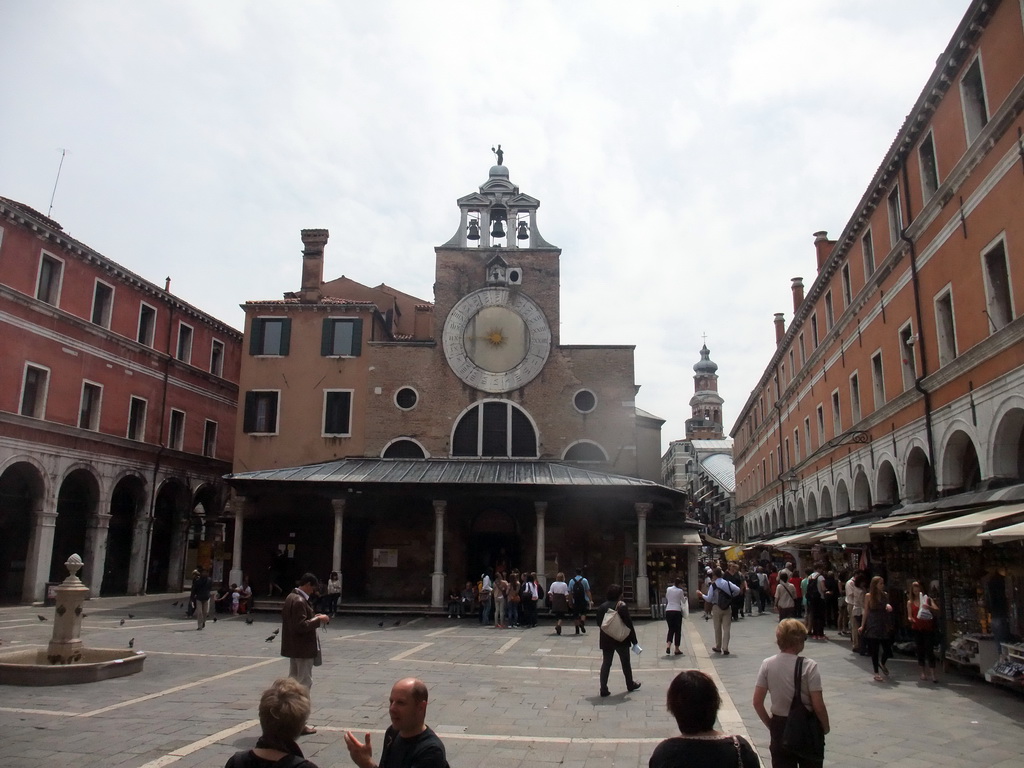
{"x": 284, "y": 710}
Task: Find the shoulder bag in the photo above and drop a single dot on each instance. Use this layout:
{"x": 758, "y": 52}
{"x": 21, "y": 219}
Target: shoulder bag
{"x": 613, "y": 625}
{"x": 803, "y": 734}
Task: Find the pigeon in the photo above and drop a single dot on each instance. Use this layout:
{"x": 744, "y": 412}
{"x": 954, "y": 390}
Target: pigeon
{"x": 270, "y": 639}
{"x": 214, "y": 619}
{"x": 174, "y": 604}
{"x": 122, "y": 623}
{"x": 276, "y": 632}
{"x": 131, "y": 643}
{"x": 249, "y": 620}
{"x": 40, "y": 617}
{"x": 398, "y": 622}
{"x": 380, "y": 624}
{"x": 84, "y": 615}
{"x": 131, "y": 615}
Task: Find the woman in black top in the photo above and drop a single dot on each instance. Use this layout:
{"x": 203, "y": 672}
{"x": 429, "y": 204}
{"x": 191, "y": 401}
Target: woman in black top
{"x": 693, "y": 700}
{"x": 610, "y": 646}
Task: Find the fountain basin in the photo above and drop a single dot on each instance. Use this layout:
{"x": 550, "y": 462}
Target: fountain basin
{"x": 30, "y": 667}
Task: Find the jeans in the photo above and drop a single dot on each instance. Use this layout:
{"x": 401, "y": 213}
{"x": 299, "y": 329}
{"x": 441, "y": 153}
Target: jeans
{"x": 485, "y": 609}
{"x": 606, "y": 665}
{"x": 721, "y": 618}
{"x": 499, "y": 611}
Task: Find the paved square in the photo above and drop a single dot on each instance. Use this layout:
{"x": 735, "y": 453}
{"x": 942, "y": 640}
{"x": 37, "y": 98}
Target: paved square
{"x": 498, "y": 697}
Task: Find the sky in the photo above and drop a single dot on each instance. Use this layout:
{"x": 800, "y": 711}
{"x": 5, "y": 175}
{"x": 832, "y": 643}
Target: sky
{"x": 683, "y": 153}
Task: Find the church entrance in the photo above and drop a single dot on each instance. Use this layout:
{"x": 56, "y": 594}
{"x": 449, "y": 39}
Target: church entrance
{"x": 495, "y": 544}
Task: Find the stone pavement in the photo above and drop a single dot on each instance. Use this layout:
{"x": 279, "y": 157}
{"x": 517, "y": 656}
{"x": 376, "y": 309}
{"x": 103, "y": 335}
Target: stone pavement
{"x": 506, "y": 698}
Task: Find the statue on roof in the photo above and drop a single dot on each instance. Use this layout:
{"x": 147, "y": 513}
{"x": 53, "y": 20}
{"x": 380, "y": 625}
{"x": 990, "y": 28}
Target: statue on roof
{"x": 499, "y": 153}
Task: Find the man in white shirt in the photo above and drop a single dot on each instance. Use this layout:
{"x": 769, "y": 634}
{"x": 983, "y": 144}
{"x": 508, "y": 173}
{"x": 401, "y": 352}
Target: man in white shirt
{"x": 720, "y": 597}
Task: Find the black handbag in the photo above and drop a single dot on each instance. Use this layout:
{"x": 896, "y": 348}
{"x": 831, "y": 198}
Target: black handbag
{"x": 803, "y": 734}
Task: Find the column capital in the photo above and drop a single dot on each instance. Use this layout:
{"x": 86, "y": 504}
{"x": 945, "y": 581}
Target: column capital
{"x": 643, "y": 508}
{"x": 338, "y": 505}
{"x": 541, "y": 508}
{"x": 100, "y": 520}
{"x": 440, "y": 505}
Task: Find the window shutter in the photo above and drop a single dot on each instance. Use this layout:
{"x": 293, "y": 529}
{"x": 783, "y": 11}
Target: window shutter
{"x": 327, "y": 338}
{"x": 357, "y": 336}
{"x": 255, "y": 336}
{"x": 286, "y": 333}
{"x": 250, "y": 412}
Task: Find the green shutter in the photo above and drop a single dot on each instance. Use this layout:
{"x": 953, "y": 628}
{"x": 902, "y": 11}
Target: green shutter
{"x": 327, "y": 338}
{"x": 255, "y": 336}
{"x": 357, "y": 337}
{"x": 250, "y": 412}
{"x": 286, "y": 333}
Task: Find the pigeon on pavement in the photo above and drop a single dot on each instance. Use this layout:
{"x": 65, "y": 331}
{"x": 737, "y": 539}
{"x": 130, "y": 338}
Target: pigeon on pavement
{"x": 131, "y": 615}
{"x": 40, "y": 617}
{"x": 269, "y": 639}
{"x": 249, "y": 620}
{"x": 131, "y": 643}
{"x": 122, "y": 623}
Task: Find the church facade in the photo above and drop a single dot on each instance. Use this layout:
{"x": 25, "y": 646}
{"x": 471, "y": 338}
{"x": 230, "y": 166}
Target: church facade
{"x": 413, "y": 444}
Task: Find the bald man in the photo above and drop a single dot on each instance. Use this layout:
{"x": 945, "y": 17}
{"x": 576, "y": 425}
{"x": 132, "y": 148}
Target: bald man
{"x": 408, "y": 741}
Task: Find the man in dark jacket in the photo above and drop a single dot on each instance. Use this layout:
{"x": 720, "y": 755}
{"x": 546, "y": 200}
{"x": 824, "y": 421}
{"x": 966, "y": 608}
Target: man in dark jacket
{"x": 610, "y": 646}
{"x": 299, "y": 641}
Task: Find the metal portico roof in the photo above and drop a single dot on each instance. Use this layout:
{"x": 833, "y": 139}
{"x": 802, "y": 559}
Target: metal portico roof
{"x": 453, "y": 472}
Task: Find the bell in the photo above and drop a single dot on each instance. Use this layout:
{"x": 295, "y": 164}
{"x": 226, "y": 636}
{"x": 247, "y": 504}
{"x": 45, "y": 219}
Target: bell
{"x": 497, "y": 230}
{"x": 474, "y": 230}
{"x": 524, "y": 231}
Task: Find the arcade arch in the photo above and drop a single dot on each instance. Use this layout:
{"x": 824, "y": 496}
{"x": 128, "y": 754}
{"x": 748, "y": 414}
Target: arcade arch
{"x": 1008, "y": 446}
{"x": 22, "y": 490}
{"x": 886, "y": 486}
{"x": 961, "y": 470}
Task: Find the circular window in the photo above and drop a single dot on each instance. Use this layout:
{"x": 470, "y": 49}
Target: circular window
{"x": 585, "y": 401}
{"x": 406, "y": 398}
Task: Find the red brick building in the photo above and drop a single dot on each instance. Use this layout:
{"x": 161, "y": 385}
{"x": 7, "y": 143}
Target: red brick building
{"x": 897, "y": 386}
{"x": 410, "y": 444}
{"x": 117, "y": 417}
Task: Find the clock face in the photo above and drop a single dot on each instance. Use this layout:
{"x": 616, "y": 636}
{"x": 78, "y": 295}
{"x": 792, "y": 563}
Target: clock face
{"x": 496, "y": 340}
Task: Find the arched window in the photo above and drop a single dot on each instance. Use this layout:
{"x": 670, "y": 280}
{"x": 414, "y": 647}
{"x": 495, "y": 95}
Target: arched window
{"x": 585, "y": 452}
{"x": 495, "y": 428}
{"x": 403, "y": 448}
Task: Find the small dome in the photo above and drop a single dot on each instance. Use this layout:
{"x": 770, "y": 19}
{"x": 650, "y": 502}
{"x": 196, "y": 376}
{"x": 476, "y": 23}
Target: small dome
{"x": 498, "y": 171}
{"x": 705, "y": 365}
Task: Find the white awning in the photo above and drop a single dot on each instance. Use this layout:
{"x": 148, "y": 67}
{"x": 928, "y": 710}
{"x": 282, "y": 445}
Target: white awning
{"x": 859, "y": 533}
{"x": 964, "y": 531}
{"x": 1013, "y": 532}
{"x": 673, "y": 537}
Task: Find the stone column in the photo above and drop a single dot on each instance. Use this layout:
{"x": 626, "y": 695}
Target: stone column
{"x": 643, "y": 597}
{"x": 541, "y": 508}
{"x": 96, "y": 551}
{"x": 238, "y": 504}
{"x": 437, "y": 594}
{"x": 40, "y": 551}
{"x": 693, "y": 582}
{"x": 140, "y": 544}
{"x": 338, "y": 505}
{"x": 178, "y": 551}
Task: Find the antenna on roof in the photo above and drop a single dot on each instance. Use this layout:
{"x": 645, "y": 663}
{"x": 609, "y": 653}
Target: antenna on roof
{"x": 62, "y": 153}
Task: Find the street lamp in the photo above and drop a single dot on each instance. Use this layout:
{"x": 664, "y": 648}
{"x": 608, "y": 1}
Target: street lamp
{"x": 792, "y": 481}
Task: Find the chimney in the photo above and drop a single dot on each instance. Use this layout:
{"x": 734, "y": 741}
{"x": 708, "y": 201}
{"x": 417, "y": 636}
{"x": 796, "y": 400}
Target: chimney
{"x": 167, "y": 284}
{"x": 313, "y": 242}
{"x": 822, "y": 247}
{"x": 780, "y": 327}
{"x": 798, "y": 293}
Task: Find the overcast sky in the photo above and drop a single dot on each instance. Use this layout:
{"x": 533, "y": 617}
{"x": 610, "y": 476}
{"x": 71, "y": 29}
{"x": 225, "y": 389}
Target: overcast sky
{"x": 683, "y": 153}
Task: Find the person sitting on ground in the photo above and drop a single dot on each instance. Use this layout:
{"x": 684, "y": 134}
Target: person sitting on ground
{"x": 284, "y": 709}
{"x": 694, "y": 700}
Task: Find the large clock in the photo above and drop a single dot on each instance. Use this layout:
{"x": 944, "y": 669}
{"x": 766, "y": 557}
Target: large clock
{"x": 496, "y": 339}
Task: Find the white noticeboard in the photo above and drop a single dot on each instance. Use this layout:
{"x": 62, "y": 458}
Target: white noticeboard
{"x": 385, "y": 558}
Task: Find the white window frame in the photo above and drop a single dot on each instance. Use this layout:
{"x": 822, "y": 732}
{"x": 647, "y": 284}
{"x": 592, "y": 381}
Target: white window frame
{"x": 998, "y": 242}
{"x": 109, "y": 312}
{"x": 950, "y": 354}
{"x": 830, "y": 311}
{"x": 803, "y": 350}
{"x": 878, "y": 379}
{"x": 867, "y": 249}
{"x": 847, "y": 285}
{"x": 94, "y": 426}
{"x": 141, "y": 437}
{"x": 217, "y": 370}
{"x": 41, "y": 405}
{"x": 170, "y": 431}
{"x": 796, "y": 445}
{"x": 212, "y": 453}
{"x": 972, "y": 137}
{"x": 894, "y": 207}
{"x": 814, "y": 329}
{"x": 277, "y": 411}
{"x": 187, "y": 359}
{"x": 926, "y": 193}
{"x": 351, "y": 410}
{"x": 43, "y": 255}
{"x": 837, "y": 413}
{"x": 148, "y": 342}
{"x": 856, "y": 402}
{"x": 908, "y": 363}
